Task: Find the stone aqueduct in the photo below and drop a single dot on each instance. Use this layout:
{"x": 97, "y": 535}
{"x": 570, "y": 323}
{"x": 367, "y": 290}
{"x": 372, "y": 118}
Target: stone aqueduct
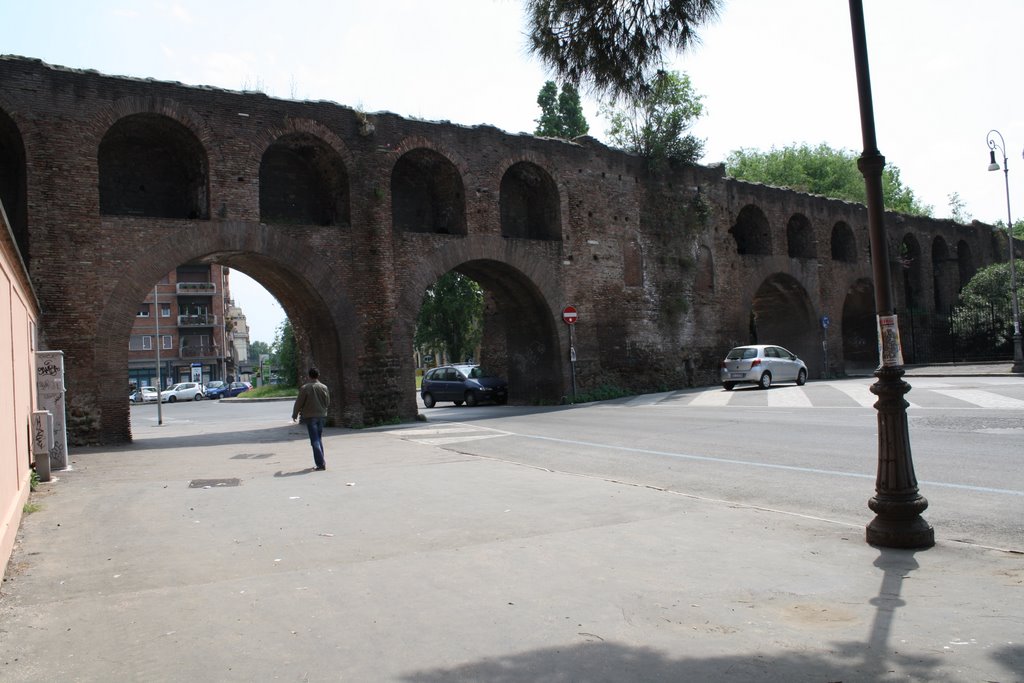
{"x": 346, "y": 218}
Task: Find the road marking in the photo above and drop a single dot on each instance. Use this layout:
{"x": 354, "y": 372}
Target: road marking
{"x": 983, "y": 399}
{"x": 447, "y": 433}
{"x": 792, "y": 397}
{"x": 712, "y": 397}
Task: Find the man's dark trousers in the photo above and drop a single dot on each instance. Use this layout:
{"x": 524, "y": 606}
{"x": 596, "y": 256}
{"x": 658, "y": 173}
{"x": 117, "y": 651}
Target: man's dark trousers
{"x": 315, "y": 427}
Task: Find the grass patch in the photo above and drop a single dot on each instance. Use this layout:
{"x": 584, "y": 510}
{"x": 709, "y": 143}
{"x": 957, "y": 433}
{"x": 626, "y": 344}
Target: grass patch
{"x": 270, "y": 391}
{"x": 30, "y": 508}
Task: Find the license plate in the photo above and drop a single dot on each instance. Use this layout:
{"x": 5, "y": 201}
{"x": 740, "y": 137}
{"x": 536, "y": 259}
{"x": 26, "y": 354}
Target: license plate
{"x": 736, "y": 375}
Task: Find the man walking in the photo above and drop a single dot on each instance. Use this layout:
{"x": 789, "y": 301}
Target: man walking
{"x": 312, "y": 403}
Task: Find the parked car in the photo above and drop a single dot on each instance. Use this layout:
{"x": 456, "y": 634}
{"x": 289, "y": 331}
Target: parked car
{"x": 144, "y": 395}
{"x": 183, "y": 391}
{"x": 214, "y": 389}
{"x": 761, "y": 364}
{"x": 460, "y": 384}
{"x": 234, "y": 389}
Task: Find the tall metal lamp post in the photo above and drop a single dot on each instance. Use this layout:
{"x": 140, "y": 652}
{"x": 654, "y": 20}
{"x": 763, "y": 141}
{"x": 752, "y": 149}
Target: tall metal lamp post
{"x": 897, "y": 504}
{"x": 1018, "y": 354}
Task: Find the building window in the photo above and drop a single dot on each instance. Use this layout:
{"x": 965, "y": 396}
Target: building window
{"x": 140, "y": 342}
{"x": 165, "y": 310}
{"x": 143, "y": 311}
{"x": 167, "y": 341}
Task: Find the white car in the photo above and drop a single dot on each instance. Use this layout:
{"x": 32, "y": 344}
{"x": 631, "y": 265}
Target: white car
{"x": 761, "y": 365}
{"x": 145, "y": 395}
{"x": 183, "y": 391}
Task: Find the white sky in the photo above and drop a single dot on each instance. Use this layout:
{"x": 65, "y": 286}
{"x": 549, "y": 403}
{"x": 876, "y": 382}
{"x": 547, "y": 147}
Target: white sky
{"x": 944, "y": 73}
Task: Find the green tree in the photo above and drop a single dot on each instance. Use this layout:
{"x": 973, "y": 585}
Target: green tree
{"x": 990, "y": 286}
{"x": 450, "y": 317}
{"x": 958, "y": 208}
{"x": 821, "y": 170}
{"x": 561, "y": 114}
{"x": 285, "y": 355}
{"x": 257, "y": 349}
{"x": 655, "y": 124}
{"x": 616, "y": 46}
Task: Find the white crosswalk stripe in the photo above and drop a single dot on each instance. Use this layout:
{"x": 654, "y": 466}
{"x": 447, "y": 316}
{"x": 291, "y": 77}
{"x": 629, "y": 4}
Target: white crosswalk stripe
{"x": 789, "y": 399}
{"x": 445, "y": 434}
{"x": 983, "y": 399}
{"x": 929, "y": 394}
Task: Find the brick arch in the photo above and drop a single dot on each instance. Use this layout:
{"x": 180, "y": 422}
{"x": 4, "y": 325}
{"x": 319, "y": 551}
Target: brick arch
{"x": 313, "y": 163}
{"x": 800, "y": 239}
{"x": 306, "y": 287}
{"x": 152, "y": 165}
{"x": 425, "y": 200}
{"x": 14, "y": 177}
{"x": 752, "y": 232}
{"x": 521, "y": 333}
{"x": 106, "y": 117}
{"x": 782, "y": 312}
{"x": 531, "y": 203}
{"x": 260, "y": 140}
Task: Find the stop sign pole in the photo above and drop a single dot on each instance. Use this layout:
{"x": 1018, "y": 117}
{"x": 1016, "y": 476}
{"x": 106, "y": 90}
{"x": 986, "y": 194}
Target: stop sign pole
{"x": 569, "y": 317}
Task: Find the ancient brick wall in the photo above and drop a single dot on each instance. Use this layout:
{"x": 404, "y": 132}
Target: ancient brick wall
{"x": 346, "y": 218}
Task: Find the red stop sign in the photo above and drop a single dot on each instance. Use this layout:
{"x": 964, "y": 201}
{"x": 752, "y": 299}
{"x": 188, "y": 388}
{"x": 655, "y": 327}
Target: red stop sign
{"x": 569, "y": 315}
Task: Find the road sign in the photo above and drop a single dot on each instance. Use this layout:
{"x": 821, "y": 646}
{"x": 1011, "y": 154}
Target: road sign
{"x": 569, "y": 315}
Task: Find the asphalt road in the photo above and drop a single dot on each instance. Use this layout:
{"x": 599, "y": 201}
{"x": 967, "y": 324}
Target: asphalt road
{"x": 808, "y": 450}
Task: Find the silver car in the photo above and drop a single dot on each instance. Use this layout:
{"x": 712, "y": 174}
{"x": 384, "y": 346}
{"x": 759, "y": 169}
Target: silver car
{"x": 761, "y": 364}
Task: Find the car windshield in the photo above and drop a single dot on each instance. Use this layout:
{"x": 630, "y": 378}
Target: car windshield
{"x": 479, "y": 373}
{"x": 214, "y": 385}
{"x": 741, "y": 354}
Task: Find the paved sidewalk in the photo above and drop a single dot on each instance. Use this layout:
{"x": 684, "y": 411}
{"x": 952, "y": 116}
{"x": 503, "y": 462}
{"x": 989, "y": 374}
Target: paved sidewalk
{"x": 407, "y": 562}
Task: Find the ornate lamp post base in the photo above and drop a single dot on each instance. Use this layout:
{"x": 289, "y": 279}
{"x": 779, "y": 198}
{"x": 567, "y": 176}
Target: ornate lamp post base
{"x": 897, "y": 504}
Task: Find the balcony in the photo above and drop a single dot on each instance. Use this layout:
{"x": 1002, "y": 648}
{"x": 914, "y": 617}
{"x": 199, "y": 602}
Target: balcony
{"x": 197, "y": 288}
{"x": 191, "y": 352}
{"x": 197, "y": 320}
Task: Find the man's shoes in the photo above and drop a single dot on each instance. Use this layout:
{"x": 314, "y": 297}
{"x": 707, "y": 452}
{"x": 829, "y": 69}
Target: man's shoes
{"x": 320, "y": 468}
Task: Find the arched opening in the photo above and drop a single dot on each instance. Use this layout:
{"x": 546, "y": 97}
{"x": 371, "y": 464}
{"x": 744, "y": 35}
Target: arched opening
{"x": 800, "y": 240}
{"x": 427, "y": 194}
{"x": 944, "y": 284}
{"x": 964, "y": 263}
{"x": 518, "y": 339}
{"x": 529, "y": 203}
{"x": 860, "y": 336}
{"x": 12, "y": 182}
{"x": 752, "y": 232}
{"x": 303, "y": 181}
{"x": 909, "y": 263}
{"x": 844, "y": 246}
{"x": 151, "y": 165}
{"x": 781, "y": 313}
{"x": 193, "y": 308}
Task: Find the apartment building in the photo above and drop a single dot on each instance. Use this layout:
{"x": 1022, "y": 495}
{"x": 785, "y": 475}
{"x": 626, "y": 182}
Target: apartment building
{"x": 184, "y": 322}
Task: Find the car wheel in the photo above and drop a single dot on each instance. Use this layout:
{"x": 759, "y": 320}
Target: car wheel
{"x": 197, "y": 397}
{"x": 728, "y": 385}
{"x": 172, "y": 399}
{"x": 458, "y": 403}
{"x": 801, "y": 378}
{"x": 766, "y": 380}
{"x": 471, "y": 399}
{"x": 428, "y": 400}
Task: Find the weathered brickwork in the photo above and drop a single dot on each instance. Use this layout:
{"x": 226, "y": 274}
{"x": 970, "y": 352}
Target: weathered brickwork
{"x": 347, "y": 218}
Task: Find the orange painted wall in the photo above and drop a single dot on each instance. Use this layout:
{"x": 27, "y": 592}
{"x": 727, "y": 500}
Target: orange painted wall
{"x": 19, "y": 318}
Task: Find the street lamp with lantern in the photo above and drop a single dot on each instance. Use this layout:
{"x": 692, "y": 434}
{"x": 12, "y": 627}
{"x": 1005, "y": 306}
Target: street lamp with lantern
{"x": 1018, "y": 354}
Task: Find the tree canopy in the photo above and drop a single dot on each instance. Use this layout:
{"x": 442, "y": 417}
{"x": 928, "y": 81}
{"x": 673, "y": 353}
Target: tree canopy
{"x": 821, "y": 170}
{"x": 561, "y": 114}
{"x": 990, "y": 286}
{"x": 615, "y": 46}
{"x": 285, "y": 355}
{"x": 450, "y": 317}
{"x": 655, "y": 124}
